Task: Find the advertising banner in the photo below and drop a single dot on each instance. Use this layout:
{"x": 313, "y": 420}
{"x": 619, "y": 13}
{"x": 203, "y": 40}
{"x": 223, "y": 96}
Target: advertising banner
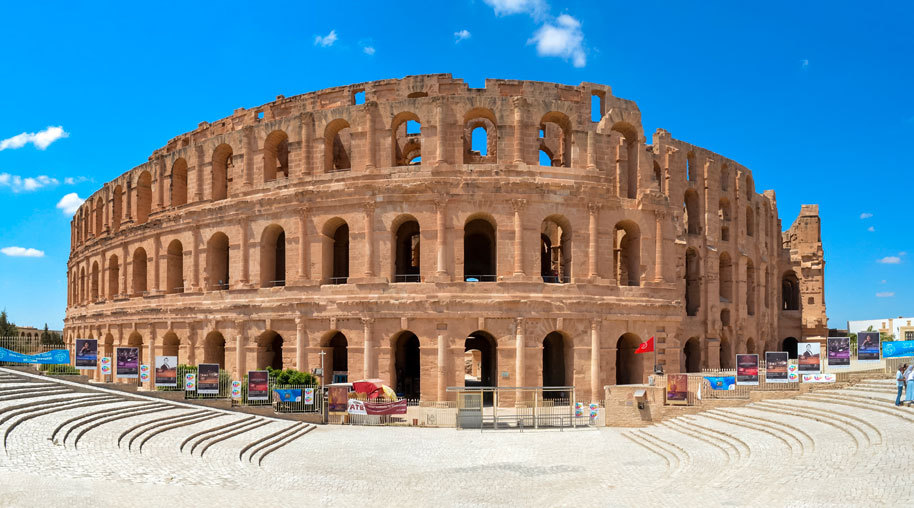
{"x": 106, "y": 365}
{"x": 808, "y": 357}
{"x": 53, "y": 357}
{"x": 144, "y": 373}
{"x": 128, "y": 362}
{"x": 190, "y": 382}
{"x": 839, "y": 351}
{"x": 356, "y": 407}
{"x": 339, "y": 398}
{"x": 86, "y": 354}
{"x": 747, "y": 369}
{"x": 793, "y": 373}
{"x": 236, "y": 389}
{"x": 166, "y": 371}
{"x": 258, "y": 385}
{"x": 286, "y": 395}
{"x": 868, "y": 346}
{"x": 722, "y": 382}
{"x": 819, "y": 378}
{"x": 386, "y": 408}
{"x": 594, "y": 410}
{"x": 578, "y": 409}
{"x": 898, "y": 348}
{"x": 208, "y": 378}
{"x": 776, "y": 367}
{"x": 677, "y": 389}
{"x": 309, "y": 396}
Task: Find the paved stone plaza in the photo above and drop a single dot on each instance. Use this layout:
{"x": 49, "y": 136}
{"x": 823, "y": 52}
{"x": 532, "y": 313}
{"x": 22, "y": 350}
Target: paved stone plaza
{"x": 830, "y": 447}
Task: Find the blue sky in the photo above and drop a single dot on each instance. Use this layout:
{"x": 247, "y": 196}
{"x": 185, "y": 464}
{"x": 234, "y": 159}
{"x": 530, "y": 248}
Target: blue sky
{"x": 814, "y": 97}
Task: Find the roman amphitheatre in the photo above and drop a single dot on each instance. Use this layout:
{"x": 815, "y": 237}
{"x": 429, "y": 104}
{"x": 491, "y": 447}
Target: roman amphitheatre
{"x": 360, "y": 226}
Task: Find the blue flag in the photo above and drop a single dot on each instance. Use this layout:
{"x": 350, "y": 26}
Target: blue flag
{"x": 53, "y": 357}
{"x": 288, "y": 394}
{"x": 897, "y": 348}
{"x": 722, "y": 382}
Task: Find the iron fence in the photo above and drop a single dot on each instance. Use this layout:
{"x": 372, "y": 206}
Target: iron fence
{"x": 34, "y": 346}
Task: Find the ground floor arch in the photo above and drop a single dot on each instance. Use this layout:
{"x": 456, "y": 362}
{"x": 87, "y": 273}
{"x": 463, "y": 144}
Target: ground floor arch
{"x": 727, "y": 357}
{"x": 269, "y": 350}
{"x": 629, "y": 366}
{"x": 214, "y": 349}
{"x": 407, "y": 370}
{"x": 338, "y": 352}
{"x": 692, "y": 355}
{"x": 486, "y": 346}
{"x": 557, "y": 365}
{"x": 790, "y": 345}
{"x": 171, "y": 344}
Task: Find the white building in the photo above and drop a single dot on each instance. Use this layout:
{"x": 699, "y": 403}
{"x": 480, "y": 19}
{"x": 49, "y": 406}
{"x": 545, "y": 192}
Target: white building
{"x": 902, "y": 328}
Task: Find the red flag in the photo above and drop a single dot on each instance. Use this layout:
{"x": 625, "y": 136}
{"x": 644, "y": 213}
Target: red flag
{"x": 646, "y": 347}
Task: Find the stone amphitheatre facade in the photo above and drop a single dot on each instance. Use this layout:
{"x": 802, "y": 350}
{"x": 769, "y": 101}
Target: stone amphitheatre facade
{"x": 360, "y": 222}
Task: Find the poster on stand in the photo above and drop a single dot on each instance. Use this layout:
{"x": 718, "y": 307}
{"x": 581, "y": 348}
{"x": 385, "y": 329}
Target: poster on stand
{"x": 144, "y": 373}
{"x": 819, "y": 378}
{"x": 747, "y": 369}
{"x": 898, "y": 348}
{"x": 128, "y": 362}
{"x": 190, "y": 382}
{"x": 86, "y": 354}
{"x": 793, "y": 373}
{"x": 339, "y": 398}
{"x": 309, "y": 396}
{"x": 868, "y": 346}
{"x": 105, "y": 365}
{"x": 166, "y": 371}
{"x": 258, "y": 385}
{"x": 677, "y": 389}
{"x": 839, "y": 351}
{"x": 809, "y": 357}
{"x": 236, "y": 389}
{"x": 776, "y": 367}
{"x": 208, "y": 379}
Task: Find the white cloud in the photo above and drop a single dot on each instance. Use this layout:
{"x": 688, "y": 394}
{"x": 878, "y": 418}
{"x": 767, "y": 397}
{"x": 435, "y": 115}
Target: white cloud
{"x": 563, "y": 39}
{"x": 70, "y": 203}
{"x": 871, "y": 229}
{"x": 326, "y": 40}
{"x": 40, "y": 139}
{"x": 865, "y": 215}
{"x": 368, "y": 50}
{"x": 885, "y": 294}
{"x": 889, "y": 260}
{"x": 461, "y": 35}
{"x": 804, "y": 64}
{"x": 18, "y": 184}
{"x": 22, "y": 252}
{"x": 535, "y": 8}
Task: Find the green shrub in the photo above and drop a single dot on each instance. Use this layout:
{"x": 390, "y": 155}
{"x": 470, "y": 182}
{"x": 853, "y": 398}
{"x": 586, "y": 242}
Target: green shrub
{"x": 59, "y": 370}
{"x": 292, "y": 377}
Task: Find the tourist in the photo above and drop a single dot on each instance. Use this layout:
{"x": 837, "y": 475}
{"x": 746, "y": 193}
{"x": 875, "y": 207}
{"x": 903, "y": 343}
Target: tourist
{"x": 900, "y": 379}
{"x": 909, "y": 376}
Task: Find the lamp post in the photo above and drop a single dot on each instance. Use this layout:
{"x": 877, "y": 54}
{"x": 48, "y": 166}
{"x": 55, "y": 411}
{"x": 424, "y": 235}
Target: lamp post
{"x": 322, "y": 353}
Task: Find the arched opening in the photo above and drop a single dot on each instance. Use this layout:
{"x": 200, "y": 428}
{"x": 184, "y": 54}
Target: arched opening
{"x": 406, "y": 132}
{"x": 555, "y": 250}
{"x": 658, "y": 176}
{"x": 692, "y": 283}
{"x": 555, "y": 139}
{"x": 724, "y": 177}
{"x": 749, "y": 188}
{"x": 273, "y": 257}
{"x": 139, "y": 272}
{"x": 339, "y": 357}
{"x": 628, "y": 159}
{"x": 627, "y": 253}
{"x": 179, "y": 182}
{"x": 629, "y": 366}
{"x": 337, "y": 146}
{"x": 725, "y": 270}
{"x": 790, "y": 291}
{"x": 691, "y": 211}
{"x": 596, "y": 105}
{"x": 479, "y": 251}
{"x": 143, "y": 197}
{"x": 269, "y": 350}
{"x": 487, "y": 347}
{"x": 99, "y": 216}
{"x": 217, "y": 262}
{"x": 82, "y": 285}
{"x": 222, "y": 169}
{"x": 336, "y": 251}
{"x": 480, "y": 137}
{"x": 95, "y": 276}
{"x": 117, "y": 208}
{"x": 406, "y": 257}
{"x": 276, "y": 156}
{"x": 174, "y": 264}
{"x": 214, "y": 349}
{"x": 725, "y": 317}
{"x": 108, "y": 346}
{"x": 557, "y": 356}
{"x": 750, "y": 222}
{"x": 723, "y": 213}
{"x": 727, "y": 356}
{"x": 750, "y": 288}
{"x": 691, "y": 168}
{"x": 171, "y": 344}
{"x": 406, "y": 365}
{"x": 136, "y": 340}
{"x": 750, "y": 346}
{"x": 692, "y": 352}
{"x": 790, "y": 345}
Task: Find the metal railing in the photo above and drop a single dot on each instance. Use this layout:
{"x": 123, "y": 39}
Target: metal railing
{"x": 338, "y": 280}
{"x": 479, "y": 278}
{"x": 33, "y": 346}
{"x": 407, "y": 277}
{"x": 555, "y": 279}
{"x": 275, "y": 283}
{"x": 218, "y": 287}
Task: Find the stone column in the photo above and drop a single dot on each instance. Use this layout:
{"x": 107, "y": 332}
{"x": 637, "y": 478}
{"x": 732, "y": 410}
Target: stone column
{"x": 594, "y": 209}
{"x": 128, "y": 206}
{"x": 442, "y": 361}
{"x": 518, "y": 130}
{"x": 247, "y": 135}
{"x": 440, "y": 131}
{"x": 155, "y": 263}
{"x": 198, "y": 172}
{"x": 160, "y": 181}
{"x": 303, "y": 271}
{"x": 519, "y": 205}
{"x": 595, "y": 388}
{"x": 151, "y": 354}
{"x": 660, "y": 216}
{"x": 195, "y": 256}
{"x": 123, "y": 269}
{"x": 370, "y": 137}
{"x": 440, "y": 239}
{"x": 102, "y": 279}
{"x": 191, "y": 345}
{"x": 245, "y": 270}
{"x": 368, "y": 350}
{"x": 239, "y": 349}
{"x": 369, "y": 239}
{"x": 591, "y": 151}
{"x": 301, "y": 357}
{"x": 519, "y": 350}
{"x": 306, "y": 120}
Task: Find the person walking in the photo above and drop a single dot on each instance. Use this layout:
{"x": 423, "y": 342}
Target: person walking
{"x": 909, "y": 377}
{"x": 900, "y": 381}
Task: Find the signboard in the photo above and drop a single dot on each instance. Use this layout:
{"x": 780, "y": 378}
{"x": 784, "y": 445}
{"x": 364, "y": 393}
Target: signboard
{"x": 208, "y": 378}
{"x": 722, "y": 382}
{"x": 385, "y": 408}
{"x": 793, "y": 373}
{"x": 356, "y": 407}
{"x": 868, "y": 346}
{"x": 106, "y": 365}
{"x": 166, "y": 371}
{"x": 86, "y": 354}
{"x": 258, "y": 385}
{"x": 309, "y": 396}
{"x": 339, "y": 398}
{"x": 677, "y": 389}
{"x": 898, "y": 348}
{"x": 776, "y": 367}
{"x": 839, "y": 351}
{"x": 808, "y": 357}
{"x": 236, "y": 389}
{"x": 594, "y": 410}
{"x": 747, "y": 369}
{"x": 578, "y": 409}
{"x": 144, "y": 373}
{"x": 286, "y": 395}
{"x": 190, "y": 382}
{"x": 819, "y": 378}
{"x": 128, "y": 362}
{"x": 53, "y": 357}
